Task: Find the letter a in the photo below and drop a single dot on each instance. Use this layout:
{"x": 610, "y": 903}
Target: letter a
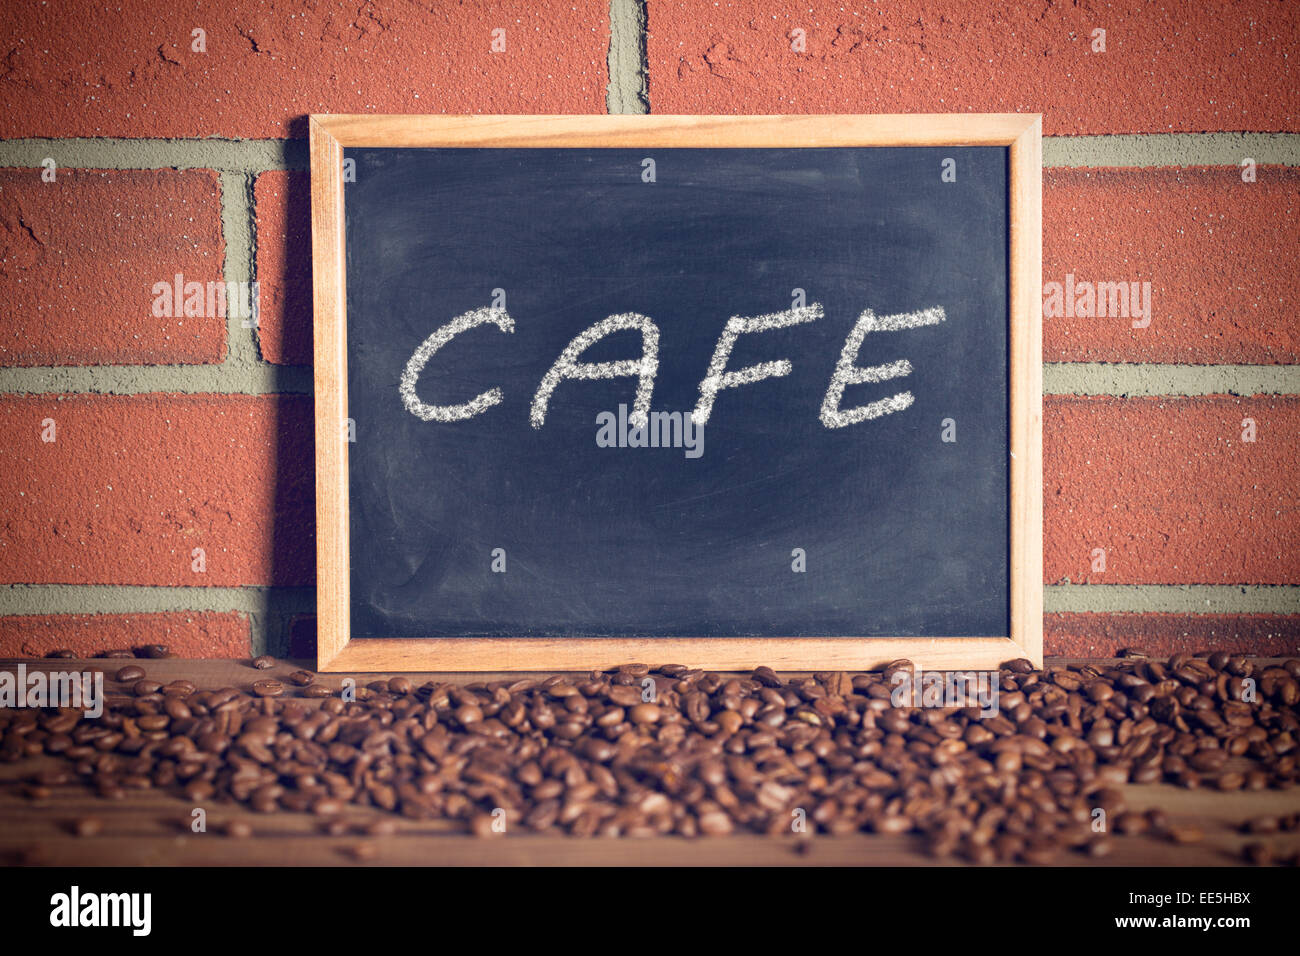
{"x": 568, "y": 366}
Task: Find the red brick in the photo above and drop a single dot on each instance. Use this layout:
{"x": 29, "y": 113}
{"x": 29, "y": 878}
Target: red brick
{"x": 1171, "y": 492}
{"x": 79, "y": 258}
{"x": 284, "y": 267}
{"x": 1168, "y": 66}
{"x": 1104, "y": 635}
{"x": 267, "y": 66}
{"x": 134, "y": 483}
{"x": 184, "y": 633}
{"x": 1222, "y": 257}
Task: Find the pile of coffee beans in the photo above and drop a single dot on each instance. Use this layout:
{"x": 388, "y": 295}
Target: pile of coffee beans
{"x": 150, "y": 651}
{"x": 643, "y": 751}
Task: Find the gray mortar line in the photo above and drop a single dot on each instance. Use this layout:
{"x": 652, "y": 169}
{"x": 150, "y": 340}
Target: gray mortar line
{"x": 259, "y": 637}
{"x": 1099, "y": 378}
{"x": 24, "y": 599}
{"x": 258, "y": 379}
{"x": 19, "y": 599}
{"x": 247, "y": 156}
{"x": 1172, "y": 598}
{"x": 1172, "y": 149}
{"x": 237, "y": 227}
{"x": 261, "y": 378}
{"x": 628, "y": 94}
{"x": 628, "y": 90}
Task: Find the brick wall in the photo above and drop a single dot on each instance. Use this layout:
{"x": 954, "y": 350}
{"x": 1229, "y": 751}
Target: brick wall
{"x": 174, "y": 502}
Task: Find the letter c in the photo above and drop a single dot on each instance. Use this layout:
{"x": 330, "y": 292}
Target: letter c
{"x": 451, "y": 413}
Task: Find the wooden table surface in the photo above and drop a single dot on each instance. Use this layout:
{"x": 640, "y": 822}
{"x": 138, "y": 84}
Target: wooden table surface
{"x": 153, "y": 828}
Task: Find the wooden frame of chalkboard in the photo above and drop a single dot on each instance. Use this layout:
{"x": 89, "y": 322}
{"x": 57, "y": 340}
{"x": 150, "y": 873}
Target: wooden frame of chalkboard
{"x": 330, "y": 134}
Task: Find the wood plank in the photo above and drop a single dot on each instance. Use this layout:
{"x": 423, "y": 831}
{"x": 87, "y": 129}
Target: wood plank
{"x": 329, "y": 291}
{"x": 719, "y": 131}
{"x": 1026, "y": 399}
{"x": 407, "y": 849}
{"x": 715, "y": 653}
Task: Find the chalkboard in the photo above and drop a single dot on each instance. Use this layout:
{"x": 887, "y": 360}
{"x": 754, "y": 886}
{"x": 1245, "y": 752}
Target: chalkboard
{"x": 817, "y": 336}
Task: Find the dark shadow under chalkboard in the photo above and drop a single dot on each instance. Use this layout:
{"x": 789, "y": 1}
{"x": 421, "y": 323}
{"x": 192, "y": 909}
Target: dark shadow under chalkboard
{"x": 901, "y": 533}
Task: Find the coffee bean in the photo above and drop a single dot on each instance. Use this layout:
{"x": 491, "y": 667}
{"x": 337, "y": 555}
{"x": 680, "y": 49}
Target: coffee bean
{"x": 1158, "y": 819}
{"x": 644, "y": 714}
{"x": 469, "y": 714}
{"x": 1259, "y": 854}
{"x": 301, "y": 678}
{"x": 1066, "y": 680}
{"x": 1208, "y": 761}
{"x": 264, "y": 662}
{"x": 729, "y": 721}
{"x": 268, "y": 688}
{"x": 129, "y": 674}
{"x": 1131, "y": 823}
{"x": 1185, "y": 834}
{"x": 1041, "y": 852}
{"x": 317, "y": 691}
{"x": 715, "y": 823}
{"x": 1230, "y": 781}
{"x": 1261, "y": 825}
{"x": 1099, "y": 847}
{"x": 399, "y": 685}
{"x": 87, "y": 826}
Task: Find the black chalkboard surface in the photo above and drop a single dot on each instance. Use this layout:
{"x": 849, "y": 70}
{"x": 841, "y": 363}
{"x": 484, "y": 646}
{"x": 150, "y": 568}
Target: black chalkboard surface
{"x": 765, "y": 522}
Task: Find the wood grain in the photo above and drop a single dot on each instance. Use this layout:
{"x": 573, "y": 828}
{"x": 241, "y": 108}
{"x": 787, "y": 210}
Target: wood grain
{"x": 714, "y": 653}
{"x": 717, "y": 132}
{"x": 329, "y": 290}
{"x": 1026, "y": 382}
